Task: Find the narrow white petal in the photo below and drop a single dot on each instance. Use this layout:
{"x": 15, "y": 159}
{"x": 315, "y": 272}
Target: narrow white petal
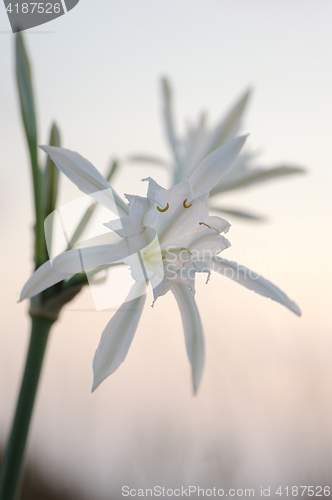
{"x": 194, "y": 146}
{"x": 211, "y": 169}
{"x": 149, "y": 159}
{"x": 229, "y": 125}
{"x": 133, "y": 223}
{"x": 69, "y": 263}
{"x": 86, "y": 177}
{"x": 238, "y": 212}
{"x": 253, "y": 281}
{"x": 193, "y": 330}
{"x": 168, "y": 117}
{"x": 44, "y": 277}
{"x": 118, "y": 335}
{"x": 82, "y": 259}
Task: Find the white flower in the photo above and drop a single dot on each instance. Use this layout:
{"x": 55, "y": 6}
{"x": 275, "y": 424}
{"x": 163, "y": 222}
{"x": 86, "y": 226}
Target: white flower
{"x": 175, "y": 236}
{"x": 188, "y": 151}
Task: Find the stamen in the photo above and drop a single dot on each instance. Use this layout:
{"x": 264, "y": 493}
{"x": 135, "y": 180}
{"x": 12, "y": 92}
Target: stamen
{"x": 144, "y": 228}
{"x": 184, "y": 203}
{"x": 163, "y": 209}
{"x": 163, "y": 257}
{"x": 186, "y": 249}
{"x": 207, "y": 225}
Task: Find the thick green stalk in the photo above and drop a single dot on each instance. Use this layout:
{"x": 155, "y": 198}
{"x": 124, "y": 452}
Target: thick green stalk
{"x": 12, "y": 468}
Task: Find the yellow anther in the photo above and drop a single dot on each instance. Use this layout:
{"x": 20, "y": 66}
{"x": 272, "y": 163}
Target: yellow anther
{"x": 163, "y": 257}
{"x": 163, "y": 209}
{"x": 207, "y": 225}
{"x": 144, "y": 228}
{"x": 184, "y": 203}
{"x": 186, "y": 249}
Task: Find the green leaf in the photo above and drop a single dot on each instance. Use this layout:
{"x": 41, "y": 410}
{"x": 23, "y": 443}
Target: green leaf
{"x": 243, "y": 214}
{"x": 256, "y": 176}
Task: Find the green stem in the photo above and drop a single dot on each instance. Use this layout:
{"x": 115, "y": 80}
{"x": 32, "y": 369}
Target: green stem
{"x": 12, "y": 468}
{"x": 40, "y": 249}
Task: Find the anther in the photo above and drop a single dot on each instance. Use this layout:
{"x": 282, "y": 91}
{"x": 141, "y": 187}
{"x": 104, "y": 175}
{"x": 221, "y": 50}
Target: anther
{"x": 185, "y": 205}
{"x": 163, "y": 257}
{"x": 207, "y": 225}
{"x": 186, "y": 249}
{"x": 163, "y": 209}
{"x": 144, "y": 228}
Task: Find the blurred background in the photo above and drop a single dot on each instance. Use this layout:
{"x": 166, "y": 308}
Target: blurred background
{"x": 262, "y": 416}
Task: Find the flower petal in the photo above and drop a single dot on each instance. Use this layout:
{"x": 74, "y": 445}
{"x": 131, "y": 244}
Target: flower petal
{"x": 44, "y": 277}
{"x": 86, "y": 177}
{"x": 194, "y": 147}
{"x": 148, "y": 159}
{"x": 71, "y": 262}
{"x": 82, "y": 259}
{"x": 207, "y": 247}
{"x": 206, "y": 233}
{"x": 169, "y": 124}
{"x": 257, "y": 175}
{"x": 193, "y": 330}
{"x": 211, "y": 169}
{"x": 239, "y": 167}
{"x": 171, "y": 225}
{"x": 118, "y": 335}
{"x": 133, "y": 223}
{"x": 238, "y": 212}
{"x": 253, "y": 281}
